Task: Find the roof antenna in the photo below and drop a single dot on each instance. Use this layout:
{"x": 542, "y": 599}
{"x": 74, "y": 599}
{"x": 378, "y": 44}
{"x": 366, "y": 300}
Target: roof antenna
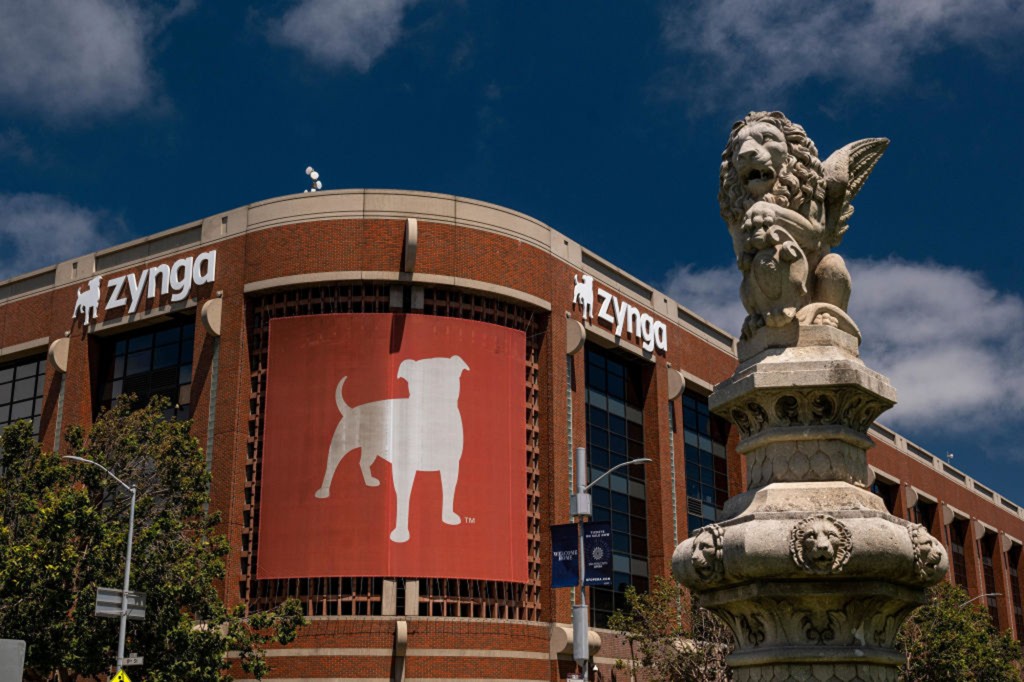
{"x": 314, "y": 179}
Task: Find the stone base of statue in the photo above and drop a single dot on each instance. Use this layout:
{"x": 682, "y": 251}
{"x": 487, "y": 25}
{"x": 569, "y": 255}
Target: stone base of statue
{"x": 809, "y": 570}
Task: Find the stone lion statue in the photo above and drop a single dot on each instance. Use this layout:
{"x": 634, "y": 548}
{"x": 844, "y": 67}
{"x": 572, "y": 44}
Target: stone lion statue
{"x": 785, "y": 211}
{"x": 820, "y": 544}
{"x": 929, "y": 554}
{"x": 707, "y": 553}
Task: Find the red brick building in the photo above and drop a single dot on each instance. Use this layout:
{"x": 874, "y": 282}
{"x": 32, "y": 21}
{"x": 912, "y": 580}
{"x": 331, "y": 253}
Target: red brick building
{"x": 188, "y": 313}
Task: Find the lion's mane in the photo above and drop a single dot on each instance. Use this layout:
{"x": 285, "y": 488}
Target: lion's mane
{"x": 800, "y": 185}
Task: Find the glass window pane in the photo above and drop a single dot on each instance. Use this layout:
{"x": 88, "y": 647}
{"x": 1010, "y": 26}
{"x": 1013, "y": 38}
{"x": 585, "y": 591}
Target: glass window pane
{"x": 165, "y": 356}
{"x": 25, "y": 388}
{"x": 140, "y": 342}
{"x": 168, "y": 336}
{"x": 7, "y": 374}
{"x": 24, "y": 370}
{"x": 138, "y": 363}
{"x": 5, "y": 392}
{"x": 22, "y": 410}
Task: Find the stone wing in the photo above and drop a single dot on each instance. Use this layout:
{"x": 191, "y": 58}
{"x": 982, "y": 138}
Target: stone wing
{"x": 846, "y": 171}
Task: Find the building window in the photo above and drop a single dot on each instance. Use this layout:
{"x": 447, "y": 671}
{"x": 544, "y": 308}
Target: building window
{"x": 924, "y": 513}
{"x": 21, "y": 392}
{"x": 149, "y": 362}
{"x": 988, "y": 549}
{"x": 707, "y": 473}
{"x": 615, "y": 434}
{"x": 889, "y": 492}
{"x": 1013, "y": 558}
{"x": 957, "y": 537}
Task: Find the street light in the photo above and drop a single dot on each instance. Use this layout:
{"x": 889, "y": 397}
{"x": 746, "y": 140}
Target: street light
{"x": 580, "y": 506}
{"x": 127, "y": 555}
{"x": 988, "y": 594}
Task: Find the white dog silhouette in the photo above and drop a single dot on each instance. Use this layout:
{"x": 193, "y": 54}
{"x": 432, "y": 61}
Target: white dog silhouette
{"x": 583, "y": 293}
{"x": 420, "y": 433}
{"x": 88, "y": 300}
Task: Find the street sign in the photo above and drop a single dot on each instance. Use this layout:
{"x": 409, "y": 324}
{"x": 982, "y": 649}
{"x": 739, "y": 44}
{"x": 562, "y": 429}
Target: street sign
{"x": 121, "y": 676}
{"x": 565, "y": 569}
{"x": 597, "y": 551}
{"x": 108, "y": 604}
{"x": 134, "y": 659}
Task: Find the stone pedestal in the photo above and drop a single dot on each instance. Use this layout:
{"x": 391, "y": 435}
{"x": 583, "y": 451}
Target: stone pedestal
{"x": 809, "y": 570}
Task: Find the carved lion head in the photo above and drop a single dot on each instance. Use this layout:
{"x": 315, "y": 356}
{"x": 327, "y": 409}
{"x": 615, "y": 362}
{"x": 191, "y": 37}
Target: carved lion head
{"x": 707, "y": 553}
{"x": 820, "y": 544}
{"x": 769, "y": 158}
{"x": 928, "y": 552}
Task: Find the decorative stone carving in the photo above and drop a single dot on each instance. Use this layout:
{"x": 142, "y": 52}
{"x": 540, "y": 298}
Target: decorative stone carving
{"x": 820, "y": 544}
{"x": 786, "y": 210}
{"x": 827, "y": 604}
{"x": 929, "y": 554}
{"x": 707, "y": 553}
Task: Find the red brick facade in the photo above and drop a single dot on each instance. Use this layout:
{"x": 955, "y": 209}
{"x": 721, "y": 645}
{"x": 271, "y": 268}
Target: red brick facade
{"x": 501, "y": 267}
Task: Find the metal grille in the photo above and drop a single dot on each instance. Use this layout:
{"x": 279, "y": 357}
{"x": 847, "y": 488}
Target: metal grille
{"x": 342, "y": 596}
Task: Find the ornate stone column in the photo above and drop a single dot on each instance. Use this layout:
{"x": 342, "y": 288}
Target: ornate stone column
{"x": 809, "y": 570}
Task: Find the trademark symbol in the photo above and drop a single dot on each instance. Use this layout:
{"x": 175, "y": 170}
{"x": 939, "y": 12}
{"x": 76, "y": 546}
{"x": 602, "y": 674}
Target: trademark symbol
{"x": 469, "y": 519}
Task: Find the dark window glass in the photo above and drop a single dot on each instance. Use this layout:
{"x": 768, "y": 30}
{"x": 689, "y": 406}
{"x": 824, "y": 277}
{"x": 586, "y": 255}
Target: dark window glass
{"x": 957, "y": 537}
{"x": 889, "y": 492}
{"x": 1013, "y": 558}
{"x": 707, "y": 476}
{"x": 149, "y": 362}
{"x": 616, "y": 432}
{"x": 21, "y": 392}
{"x": 988, "y": 549}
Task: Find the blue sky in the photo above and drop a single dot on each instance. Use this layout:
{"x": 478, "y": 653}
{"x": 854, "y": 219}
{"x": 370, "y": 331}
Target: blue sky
{"x": 606, "y": 120}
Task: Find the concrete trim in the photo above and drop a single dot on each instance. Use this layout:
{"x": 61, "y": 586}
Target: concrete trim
{"x": 695, "y": 383}
{"x": 141, "y": 318}
{"x": 927, "y": 497}
{"x": 952, "y": 513}
{"x": 883, "y": 476}
{"x": 387, "y": 203}
{"x": 387, "y": 276}
{"x": 606, "y": 339}
{"x": 20, "y": 350}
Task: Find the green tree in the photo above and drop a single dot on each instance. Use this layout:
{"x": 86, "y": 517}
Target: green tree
{"x": 672, "y": 638}
{"x": 952, "y": 640}
{"x": 63, "y": 530}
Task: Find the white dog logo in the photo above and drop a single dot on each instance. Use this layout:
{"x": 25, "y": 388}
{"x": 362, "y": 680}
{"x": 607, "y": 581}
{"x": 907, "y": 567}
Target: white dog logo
{"x": 420, "y": 433}
{"x": 88, "y": 300}
{"x": 583, "y": 293}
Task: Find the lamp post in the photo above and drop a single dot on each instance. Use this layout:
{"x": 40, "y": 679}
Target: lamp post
{"x": 987, "y": 594}
{"x": 581, "y": 508}
{"x": 127, "y": 555}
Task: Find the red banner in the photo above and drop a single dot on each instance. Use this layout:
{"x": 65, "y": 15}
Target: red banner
{"x": 394, "y": 445}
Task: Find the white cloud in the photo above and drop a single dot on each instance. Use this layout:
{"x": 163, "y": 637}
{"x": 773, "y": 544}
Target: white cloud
{"x": 759, "y": 50}
{"x": 64, "y": 60}
{"x": 952, "y": 345}
{"x": 41, "y": 229}
{"x": 337, "y": 33}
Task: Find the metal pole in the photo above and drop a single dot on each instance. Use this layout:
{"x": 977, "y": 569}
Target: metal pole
{"x": 127, "y": 555}
{"x": 124, "y": 592}
{"x": 580, "y": 613}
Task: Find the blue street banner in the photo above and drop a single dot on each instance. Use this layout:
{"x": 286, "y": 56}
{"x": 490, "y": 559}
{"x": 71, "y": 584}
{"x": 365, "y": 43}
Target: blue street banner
{"x": 597, "y": 552}
{"x": 564, "y": 560}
